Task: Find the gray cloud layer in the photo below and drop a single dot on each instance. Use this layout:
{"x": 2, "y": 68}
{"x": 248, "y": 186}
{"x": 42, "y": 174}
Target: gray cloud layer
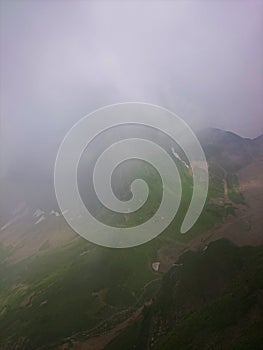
{"x": 62, "y": 59}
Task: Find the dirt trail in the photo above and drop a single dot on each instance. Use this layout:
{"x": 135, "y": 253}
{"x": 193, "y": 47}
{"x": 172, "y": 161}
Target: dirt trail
{"x": 99, "y": 343}
{"x": 244, "y": 229}
{"x": 247, "y": 227}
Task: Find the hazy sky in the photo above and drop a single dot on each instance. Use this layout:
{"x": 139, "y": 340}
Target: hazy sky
{"x": 62, "y": 59}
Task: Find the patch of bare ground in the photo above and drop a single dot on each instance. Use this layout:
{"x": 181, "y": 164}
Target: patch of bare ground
{"x": 246, "y": 228}
{"x": 26, "y": 239}
{"x": 243, "y": 229}
{"x": 167, "y": 255}
{"x": 99, "y": 342}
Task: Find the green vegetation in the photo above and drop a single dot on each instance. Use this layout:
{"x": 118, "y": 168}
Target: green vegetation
{"x": 81, "y": 289}
{"x": 212, "y": 301}
{"x": 70, "y": 290}
{"x": 127, "y": 337}
{"x": 233, "y": 189}
{"x": 216, "y": 180}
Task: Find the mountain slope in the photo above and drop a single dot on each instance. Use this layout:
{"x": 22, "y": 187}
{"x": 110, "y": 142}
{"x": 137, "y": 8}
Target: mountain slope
{"x": 47, "y": 272}
{"x": 229, "y": 150}
{"x": 211, "y": 300}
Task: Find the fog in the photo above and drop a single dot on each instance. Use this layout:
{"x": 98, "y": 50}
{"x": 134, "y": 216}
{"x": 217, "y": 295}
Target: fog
{"x": 61, "y": 60}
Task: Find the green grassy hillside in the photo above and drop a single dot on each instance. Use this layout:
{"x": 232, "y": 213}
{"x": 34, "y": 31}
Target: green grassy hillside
{"x": 213, "y": 300}
{"x": 81, "y": 289}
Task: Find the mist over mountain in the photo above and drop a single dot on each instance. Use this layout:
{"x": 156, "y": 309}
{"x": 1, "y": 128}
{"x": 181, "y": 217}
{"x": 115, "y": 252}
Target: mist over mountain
{"x": 32, "y": 180}
{"x": 232, "y": 151}
{"x": 133, "y": 301}
{"x": 201, "y": 60}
